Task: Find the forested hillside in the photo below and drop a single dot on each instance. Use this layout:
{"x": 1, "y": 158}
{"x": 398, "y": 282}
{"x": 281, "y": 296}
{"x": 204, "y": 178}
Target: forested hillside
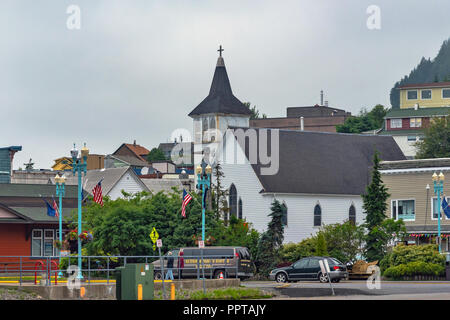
{"x": 427, "y": 71}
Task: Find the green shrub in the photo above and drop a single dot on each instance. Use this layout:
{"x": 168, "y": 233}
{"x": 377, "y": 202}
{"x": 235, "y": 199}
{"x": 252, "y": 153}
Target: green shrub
{"x": 292, "y": 252}
{"x": 404, "y": 255}
{"x": 417, "y": 268}
{"x": 410, "y": 261}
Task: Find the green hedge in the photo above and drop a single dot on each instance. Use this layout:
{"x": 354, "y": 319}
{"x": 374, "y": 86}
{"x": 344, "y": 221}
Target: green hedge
{"x": 417, "y": 268}
{"x": 411, "y": 261}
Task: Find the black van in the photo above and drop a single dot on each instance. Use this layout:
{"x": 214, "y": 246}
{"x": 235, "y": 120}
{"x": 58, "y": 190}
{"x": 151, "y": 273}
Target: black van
{"x": 217, "y": 262}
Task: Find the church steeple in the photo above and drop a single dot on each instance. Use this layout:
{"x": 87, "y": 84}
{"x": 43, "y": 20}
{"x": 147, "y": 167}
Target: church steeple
{"x": 220, "y": 99}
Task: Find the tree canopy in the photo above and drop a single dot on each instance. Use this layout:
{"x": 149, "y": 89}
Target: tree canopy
{"x": 156, "y": 154}
{"x": 255, "y": 112}
{"x": 436, "y": 141}
{"x": 365, "y": 121}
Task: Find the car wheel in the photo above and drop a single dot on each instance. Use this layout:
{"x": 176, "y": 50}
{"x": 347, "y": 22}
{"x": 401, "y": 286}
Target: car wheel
{"x": 281, "y": 277}
{"x": 323, "y": 278}
{"x": 157, "y": 276}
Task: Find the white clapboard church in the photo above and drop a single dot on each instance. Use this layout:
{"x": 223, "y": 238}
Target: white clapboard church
{"x": 319, "y": 177}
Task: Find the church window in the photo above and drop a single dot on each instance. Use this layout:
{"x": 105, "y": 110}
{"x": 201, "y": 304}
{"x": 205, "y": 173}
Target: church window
{"x": 352, "y": 214}
{"x": 284, "y": 219}
{"x": 317, "y": 216}
{"x": 240, "y": 208}
{"x": 233, "y": 201}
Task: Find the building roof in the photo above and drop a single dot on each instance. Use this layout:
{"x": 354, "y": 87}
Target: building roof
{"x": 416, "y": 164}
{"x": 420, "y": 112}
{"x": 110, "y": 176}
{"x": 425, "y": 85}
{"x": 220, "y": 99}
{"x": 35, "y": 190}
{"x": 132, "y": 161}
{"x": 324, "y": 163}
{"x": 315, "y": 111}
{"x": 39, "y": 214}
{"x": 166, "y": 185}
{"x": 136, "y": 149}
{"x": 401, "y": 132}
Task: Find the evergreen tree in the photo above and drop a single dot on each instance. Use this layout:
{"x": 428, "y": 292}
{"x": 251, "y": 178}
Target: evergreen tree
{"x": 254, "y": 111}
{"x": 374, "y": 205}
{"x": 321, "y": 245}
{"x": 268, "y": 253}
{"x": 219, "y": 194}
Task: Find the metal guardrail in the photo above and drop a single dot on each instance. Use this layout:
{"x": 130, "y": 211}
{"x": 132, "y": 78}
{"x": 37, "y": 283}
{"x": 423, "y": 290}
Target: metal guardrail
{"x": 93, "y": 266}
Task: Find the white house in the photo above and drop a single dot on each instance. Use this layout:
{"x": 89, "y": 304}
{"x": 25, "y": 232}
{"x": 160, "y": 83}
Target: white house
{"x": 113, "y": 181}
{"x": 319, "y": 177}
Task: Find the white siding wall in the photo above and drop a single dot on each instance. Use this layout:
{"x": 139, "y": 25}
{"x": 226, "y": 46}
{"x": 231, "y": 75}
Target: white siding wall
{"x": 256, "y": 207}
{"x": 407, "y": 147}
{"x": 128, "y": 183}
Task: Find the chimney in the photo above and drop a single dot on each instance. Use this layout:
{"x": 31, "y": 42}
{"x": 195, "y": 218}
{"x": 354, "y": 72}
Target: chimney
{"x": 302, "y": 124}
{"x": 321, "y": 97}
{"x": 416, "y": 106}
{"x": 134, "y": 142}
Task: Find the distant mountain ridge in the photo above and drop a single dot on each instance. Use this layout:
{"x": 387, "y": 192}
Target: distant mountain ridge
{"x": 427, "y": 71}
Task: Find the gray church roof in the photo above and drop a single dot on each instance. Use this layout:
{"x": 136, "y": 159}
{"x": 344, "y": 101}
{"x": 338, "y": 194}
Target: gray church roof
{"x": 220, "y": 99}
{"x": 324, "y": 163}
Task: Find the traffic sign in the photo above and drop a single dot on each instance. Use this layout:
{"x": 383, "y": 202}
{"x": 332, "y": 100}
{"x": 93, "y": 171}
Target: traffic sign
{"x": 201, "y": 244}
{"x": 159, "y": 243}
{"x": 154, "y": 235}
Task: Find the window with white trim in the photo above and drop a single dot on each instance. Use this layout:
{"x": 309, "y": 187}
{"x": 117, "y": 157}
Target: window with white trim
{"x": 446, "y": 93}
{"x": 411, "y": 95}
{"x": 42, "y": 241}
{"x": 415, "y": 122}
{"x": 403, "y": 209}
{"x": 434, "y": 208}
{"x": 396, "y": 123}
{"x": 412, "y": 138}
{"x": 425, "y": 94}
{"x": 36, "y": 243}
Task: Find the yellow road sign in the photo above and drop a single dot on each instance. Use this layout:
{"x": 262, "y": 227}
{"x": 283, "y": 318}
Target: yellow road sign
{"x": 154, "y": 235}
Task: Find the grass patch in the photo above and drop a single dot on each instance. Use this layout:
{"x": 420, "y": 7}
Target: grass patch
{"x": 232, "y": 293}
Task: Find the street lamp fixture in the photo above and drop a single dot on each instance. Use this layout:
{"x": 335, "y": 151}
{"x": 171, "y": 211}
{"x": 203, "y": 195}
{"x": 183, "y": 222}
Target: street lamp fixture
{"x": 60, "y": 182}
{"x": 438, "y": 181}
{"x": 203, "y": 183}
{"x": 79, "y": 166}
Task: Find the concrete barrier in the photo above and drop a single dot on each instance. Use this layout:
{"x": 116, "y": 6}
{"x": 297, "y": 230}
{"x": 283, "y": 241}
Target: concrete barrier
{"x": 101, "y": 291}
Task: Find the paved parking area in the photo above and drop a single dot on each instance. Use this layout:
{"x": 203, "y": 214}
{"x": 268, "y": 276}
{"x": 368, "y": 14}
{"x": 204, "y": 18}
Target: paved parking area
{"x": 357, "y": 289}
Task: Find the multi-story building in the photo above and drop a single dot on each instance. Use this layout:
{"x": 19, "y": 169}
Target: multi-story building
{"x": 412, "y": 198}
{"x": 419, "y": 104}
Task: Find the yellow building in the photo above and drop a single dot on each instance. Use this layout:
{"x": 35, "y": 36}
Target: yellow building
{"x": 63, "y": 163}
{"x": 94, "y": 162}
{"x": 425, "y": 95}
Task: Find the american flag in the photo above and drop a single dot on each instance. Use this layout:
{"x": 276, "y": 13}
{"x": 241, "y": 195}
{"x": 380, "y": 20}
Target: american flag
{"x": 55, "y": 206}
{"x": 186, "y": 198}
{"x": 97, "y": 192}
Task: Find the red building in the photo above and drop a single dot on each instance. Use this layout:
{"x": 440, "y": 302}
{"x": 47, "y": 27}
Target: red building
{"x": 25, "y": 227}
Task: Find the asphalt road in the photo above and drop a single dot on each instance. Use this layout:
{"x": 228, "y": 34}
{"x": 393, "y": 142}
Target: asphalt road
{"x": 354, "y": 288}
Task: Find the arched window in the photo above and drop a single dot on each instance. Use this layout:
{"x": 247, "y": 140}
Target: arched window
{"x": 352, "y": 214}
{"x": 212, "y": 123}
{"x": 284, "y": 219}
{"x": 205, "y": 129}
{"x": 317, "y": 216}
{"x": 233, "y": 201}
{"x": 240, "y": 208}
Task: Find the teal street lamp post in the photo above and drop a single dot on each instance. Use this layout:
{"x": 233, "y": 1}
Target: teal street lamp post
{"x": 438, "y": 181}
{"x": 79, "y": 166}
{"x": 60, "y": 192}
{"x": 203, "y": 183}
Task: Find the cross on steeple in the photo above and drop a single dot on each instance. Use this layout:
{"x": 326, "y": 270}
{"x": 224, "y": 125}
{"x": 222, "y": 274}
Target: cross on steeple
{"x": 220, "y": 50}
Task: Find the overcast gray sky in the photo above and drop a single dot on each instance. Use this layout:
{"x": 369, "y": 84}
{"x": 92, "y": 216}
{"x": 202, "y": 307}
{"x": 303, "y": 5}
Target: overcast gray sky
{"x": 135, "y": 69}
